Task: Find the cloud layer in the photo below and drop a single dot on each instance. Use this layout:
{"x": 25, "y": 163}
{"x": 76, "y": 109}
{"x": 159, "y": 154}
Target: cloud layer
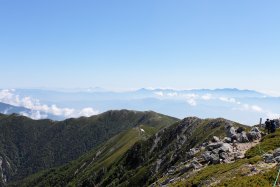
{"x": 192, "y": 100}
{"x": 39, "y": 110}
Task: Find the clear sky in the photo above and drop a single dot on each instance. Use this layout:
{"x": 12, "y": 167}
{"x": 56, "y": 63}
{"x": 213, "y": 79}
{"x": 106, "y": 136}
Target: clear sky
{"x": 124, "y": 44}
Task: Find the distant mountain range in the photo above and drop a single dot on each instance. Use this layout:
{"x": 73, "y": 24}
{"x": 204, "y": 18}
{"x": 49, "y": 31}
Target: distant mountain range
{"x": 244, "y": 106}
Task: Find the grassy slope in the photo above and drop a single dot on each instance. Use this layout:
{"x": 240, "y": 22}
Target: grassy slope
{"x": 34, "y": 145}
{"x": 123, "y": 163}
{"x": 79, "y": 170}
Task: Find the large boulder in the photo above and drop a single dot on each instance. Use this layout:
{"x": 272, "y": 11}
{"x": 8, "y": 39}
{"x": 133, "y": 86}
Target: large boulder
{"x": 206, "y": 156}
{"x": 226, "y": 148}
{"x": 211, "y": 157}
{"x": 242, "y": 137}
{"x": 231, "y": 132}
{"x": 224, "y": 155}
{"x": 253, "y": 135}
{"x": 240, "y": 129}
{"x": 213, "y": 146}
{"x": 255, "y": 129}
{"x": 215, "y": 158}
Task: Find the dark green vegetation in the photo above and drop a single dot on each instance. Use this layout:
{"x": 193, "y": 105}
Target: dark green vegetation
{"x": 141, "y": 164}
{"x": 28, "y": 146}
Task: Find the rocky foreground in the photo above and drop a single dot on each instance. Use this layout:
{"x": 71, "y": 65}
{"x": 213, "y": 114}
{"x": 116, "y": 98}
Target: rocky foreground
{"x": 227, "y": 150}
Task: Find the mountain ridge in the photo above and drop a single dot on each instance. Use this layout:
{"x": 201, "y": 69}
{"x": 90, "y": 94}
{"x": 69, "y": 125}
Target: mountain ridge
{"x": 32, "y": 145}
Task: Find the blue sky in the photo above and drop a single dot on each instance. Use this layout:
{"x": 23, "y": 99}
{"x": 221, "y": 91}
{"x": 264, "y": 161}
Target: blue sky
{"x": 132, "y": 44}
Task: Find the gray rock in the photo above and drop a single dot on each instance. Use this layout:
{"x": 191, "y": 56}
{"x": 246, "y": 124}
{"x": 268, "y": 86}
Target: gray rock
{"x": 206, "y": 156}
{"x": 277, "y": 159}
{"x": 191, "y": 153}
{"x": 195, "y": 164}
{"x": 240, "y": 129}
{"x": 226, "y": 148}
{"x": 215, "y": 159}
{"x": 215, "y": 139}
{"x": 227, "y": 140}
{"x": 231, "y": 132}
{"x": 185, "y": 169}
{"x": 224, "y": 156}
{"x": 276, "y": 152}
{"x": 255, "y": 129}
{"x": 213, "y": 146}
{"x": 268, "y": 158}
{"x": 211, "y": 157}
{"x": 253, "y": 135}
{"x": 242, "y": 137}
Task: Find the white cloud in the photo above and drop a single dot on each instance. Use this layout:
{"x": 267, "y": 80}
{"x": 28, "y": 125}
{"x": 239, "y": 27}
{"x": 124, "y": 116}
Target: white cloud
{"x": 206, "y": 97}
{"x": 88, "y": 112}
{"x": 34, "y": 115}
{"x": 159, "y": 93}
{"x": 228, "y": 100}
{"x": 8, "y": 96}
{"x": 192, "y": 102}
{"x": 172, "y": 94}
{"x": 256, "y": 108}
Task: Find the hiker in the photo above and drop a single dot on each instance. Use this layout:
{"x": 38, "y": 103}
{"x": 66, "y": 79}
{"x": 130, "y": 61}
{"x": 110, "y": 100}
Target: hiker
{"x": 272, "y": 126}
{"x": 268, "y": 126}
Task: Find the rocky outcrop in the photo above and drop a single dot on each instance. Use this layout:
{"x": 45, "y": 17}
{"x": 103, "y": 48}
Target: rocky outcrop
{"x": 242, "y": 137}
{"x": 272, "y": 158}
{"x": 254, "y": 134}
{"x": 217, "y": 152}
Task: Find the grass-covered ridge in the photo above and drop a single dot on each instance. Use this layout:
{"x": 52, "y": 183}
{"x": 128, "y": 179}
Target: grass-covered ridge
{"x": 134, "y": 158}
{"x": 30, "y": 145}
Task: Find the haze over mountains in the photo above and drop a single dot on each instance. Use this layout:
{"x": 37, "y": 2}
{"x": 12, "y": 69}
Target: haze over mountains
{"x": 244, "y": 106}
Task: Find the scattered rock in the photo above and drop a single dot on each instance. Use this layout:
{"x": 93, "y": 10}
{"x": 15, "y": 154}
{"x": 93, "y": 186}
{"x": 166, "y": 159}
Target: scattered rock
{"x": 206, "y": 156}
{"x": 268, "y": 158}
{"x": 192, "y": 153}
{"x": 195, "y": 164}
{"x": 255, "y": 129}
{"x": 277, "y": 159}
{"x": 276, "y": 152}
{"x": 242, "y": 137}
{"x": 224, "y": 155}
{"x": 215, "y": 139}
{"x": 226, "y": 148}
{"x": 227, "y": 140}
{"x": 213, "y": 146}
{"x": 240, "y": 129}
{"x": 215, "y": 159}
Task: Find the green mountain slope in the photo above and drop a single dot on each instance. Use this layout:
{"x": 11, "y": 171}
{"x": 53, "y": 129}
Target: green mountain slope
{"x": 142, "y": 164}
{"x": 28, "y": 146}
